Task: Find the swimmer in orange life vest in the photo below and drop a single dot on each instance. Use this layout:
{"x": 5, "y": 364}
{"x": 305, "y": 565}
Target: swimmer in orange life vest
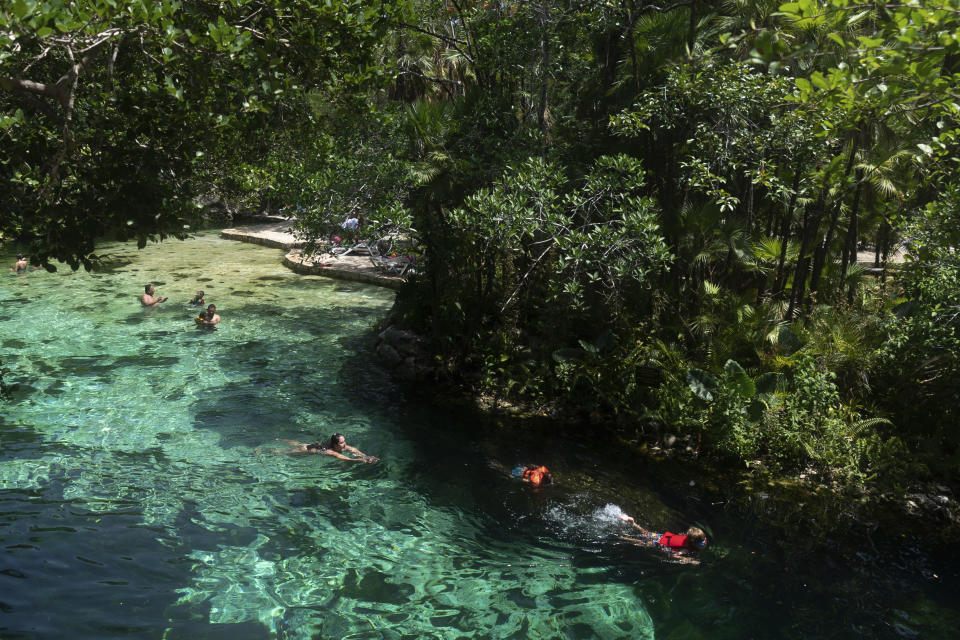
{"x": 680, "y": 547}
{"x": 534, "y": 475}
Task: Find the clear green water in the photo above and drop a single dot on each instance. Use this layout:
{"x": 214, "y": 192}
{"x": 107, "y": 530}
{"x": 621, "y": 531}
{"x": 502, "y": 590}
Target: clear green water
{"x": 133, "y": 503}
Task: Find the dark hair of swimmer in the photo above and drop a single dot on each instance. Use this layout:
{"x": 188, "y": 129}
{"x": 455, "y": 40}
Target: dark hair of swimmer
{"x": 146, "y": 287}
{"x": 19, "y": 256}
{"x": 335, "y": 438}
{"x": 211, "y": 307}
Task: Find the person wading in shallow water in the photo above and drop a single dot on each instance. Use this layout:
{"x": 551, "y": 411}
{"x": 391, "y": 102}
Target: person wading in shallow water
{"x": 335, "y": 447}
{"x": 149, "y": 299}
{"x": 20, "y": 266}
{"x": 211, "y": 318}
{"x": 682, "y": 548}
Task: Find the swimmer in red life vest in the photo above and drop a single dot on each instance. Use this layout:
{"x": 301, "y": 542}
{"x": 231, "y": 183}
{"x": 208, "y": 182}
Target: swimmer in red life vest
{"x": 534, "y": 475}
{"x": 681, "y": 547}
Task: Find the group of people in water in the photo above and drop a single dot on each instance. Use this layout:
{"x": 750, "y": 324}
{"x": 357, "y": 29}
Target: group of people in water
{"x": 681, "y": 548}
{"x": 207, "y": 318}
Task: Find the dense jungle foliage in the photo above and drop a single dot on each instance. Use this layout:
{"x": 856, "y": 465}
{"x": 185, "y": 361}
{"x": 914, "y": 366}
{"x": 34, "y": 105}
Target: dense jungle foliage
{"x": 677, "y": 219}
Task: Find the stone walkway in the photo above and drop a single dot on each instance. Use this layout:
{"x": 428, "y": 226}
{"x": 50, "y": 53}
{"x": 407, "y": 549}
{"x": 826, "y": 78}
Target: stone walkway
{"x": 865, "y": 259}
{"x": 274, "y": 231}
{"x": 278, "y": 232}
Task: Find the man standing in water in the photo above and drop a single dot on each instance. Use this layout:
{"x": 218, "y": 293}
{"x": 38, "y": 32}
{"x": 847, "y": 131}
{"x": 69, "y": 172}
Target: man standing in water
{"x": 212, "y": 318}
{"x": 20, "y": 266}
{"x": 148, "y": 299}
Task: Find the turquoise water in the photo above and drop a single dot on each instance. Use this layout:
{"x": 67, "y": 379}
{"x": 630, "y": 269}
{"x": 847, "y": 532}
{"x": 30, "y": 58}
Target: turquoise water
{"x": 134, "y": 503}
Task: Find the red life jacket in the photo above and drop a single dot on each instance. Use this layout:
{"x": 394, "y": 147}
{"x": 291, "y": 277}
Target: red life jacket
{"x": 535, "y": 476}
{"x": 672, "y": 541}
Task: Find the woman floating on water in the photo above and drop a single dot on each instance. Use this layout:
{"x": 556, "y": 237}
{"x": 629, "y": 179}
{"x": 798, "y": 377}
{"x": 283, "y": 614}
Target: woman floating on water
{"x": 334, "y": 447}
{"x": 681, "y": 547}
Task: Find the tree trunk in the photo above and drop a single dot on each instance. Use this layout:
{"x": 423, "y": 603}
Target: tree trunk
{"x": 810, "y": 225}
{"x": 545, "y": 55}
{"x": 631, "y": 23}
{"x": 853, "y": 234}
{"x": 780, "y": 277}
{"x": 823, "y": 250}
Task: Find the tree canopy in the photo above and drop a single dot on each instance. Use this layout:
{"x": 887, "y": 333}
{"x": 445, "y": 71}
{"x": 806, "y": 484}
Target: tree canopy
{"x": 109, "y": 108}
{"x": 653, "y": 215}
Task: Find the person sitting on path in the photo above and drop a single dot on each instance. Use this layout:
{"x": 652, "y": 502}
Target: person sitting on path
{"x": 681, "y": 547}
{"x": 335, "y": 447}
{"x": 149, "y": 297}
{"x": 533, "y": 474}
{"x": 197, "y": 299}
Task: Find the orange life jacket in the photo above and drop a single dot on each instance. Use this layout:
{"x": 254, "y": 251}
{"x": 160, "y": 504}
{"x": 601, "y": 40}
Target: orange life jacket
{"x": 535, "y": 476}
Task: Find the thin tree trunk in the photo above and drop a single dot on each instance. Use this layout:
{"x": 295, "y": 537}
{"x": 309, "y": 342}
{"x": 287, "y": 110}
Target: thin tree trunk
{"x": 810, "y": 225}
{"x": 883, "y": 248}
{"x": 820, "y": 259}
{"x": 545, "y": 55}
{"x": 780, "y": 275}
{"x": 853, "y": 234}
{"x": 820, "y": 254}
{"x": 631, "y": 23}
{"x": 692, "y": 28}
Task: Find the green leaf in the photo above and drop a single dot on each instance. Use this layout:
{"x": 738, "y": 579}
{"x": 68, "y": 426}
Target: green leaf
{"x": 837, "y": 38}
{"x": 736, "y": 378}
{"x": 702, "y": 383}
{"x": 769, "y": 383}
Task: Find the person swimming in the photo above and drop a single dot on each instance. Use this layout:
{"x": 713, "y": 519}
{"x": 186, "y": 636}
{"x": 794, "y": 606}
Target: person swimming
{"x": 197, "y": 299}
{"x": 335, "y": 447}
{"x": 533, "y": 474}
{"x": 681, "y": 547}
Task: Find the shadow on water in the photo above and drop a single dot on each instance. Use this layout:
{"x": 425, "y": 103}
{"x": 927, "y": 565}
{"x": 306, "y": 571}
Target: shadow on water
{"x": 784, "y": 562}
{"x": 112, "y": 264}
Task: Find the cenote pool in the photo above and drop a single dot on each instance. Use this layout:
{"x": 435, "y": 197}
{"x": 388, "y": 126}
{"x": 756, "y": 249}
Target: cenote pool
{"x": 134, "y": 503}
